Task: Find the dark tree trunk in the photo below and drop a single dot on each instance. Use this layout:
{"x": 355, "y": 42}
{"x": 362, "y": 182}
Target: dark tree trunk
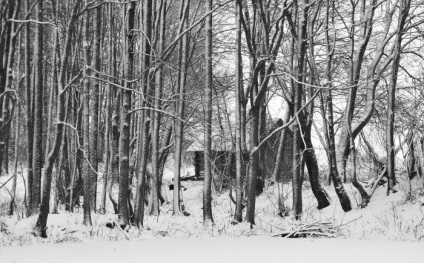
{"x": 8, "y": 102}
{"x": 15, "y": 161}
{"x": 337, "y": 180}
{"x": 180, "y": 106}
{"x": 29, "y": 113}
{"x": 364, "y": 195}
{"x": 107, "y": 137}
{"x": 65, "y": 180}
{"x": 115, "y": 104}
{"x": 38, "y": 111}
{"x": 391, "y": 182}
{"x": 313, "y": 170}
{"x": 334, "y": 173}
{"x": 238, "y": 215}
{"x": 86, "y": 129}
{"x": 115, "y": 151}
{"x": 7, "y": 47}
{"x": 124, "y": 145}
{"x": 297, "y": 101}
{"x": 276, "y": 174}
{"x": 94, "y": 107}
{"x": 144, "y": 117}
{"x": 207, "y": 186}
{"x": 40, "y": 226}
{"x": 155, "y": 192}
{"x": 253, "y": 166}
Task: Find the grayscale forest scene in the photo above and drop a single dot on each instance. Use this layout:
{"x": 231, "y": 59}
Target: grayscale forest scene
{"x": 211, "y": 131}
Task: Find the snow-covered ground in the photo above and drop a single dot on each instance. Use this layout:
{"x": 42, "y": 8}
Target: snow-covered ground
{"x": 246, "y": 249}
{"x": 372, "y": 234}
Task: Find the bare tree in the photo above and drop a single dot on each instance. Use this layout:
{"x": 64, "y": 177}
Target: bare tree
{"x": 86, "y": 126}
{"x": 161, "y": 7}
{"x": 207, "y": 187}
{"x": 124, "y": 145}
{"x": 238, "y": 215}
{"x": 180, "y": 105}
{"x": 94, "y": 105}
{"x": 40, "y": 226}
{"x": 38, "y": 109}
{"x": 29, "y": 112}
{"x": 397, "y": 49}
{"x": 144, "y": 121}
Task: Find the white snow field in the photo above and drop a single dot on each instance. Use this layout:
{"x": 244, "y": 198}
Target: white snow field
{"x": 389, "y": 229}
{"x": 246, "y": 249}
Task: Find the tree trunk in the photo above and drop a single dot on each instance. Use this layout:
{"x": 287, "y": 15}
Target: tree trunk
{"x": 52, "y": 94}
{"x": 367, "y": 14}
{"x": 65, "y": 180}
{"x": 253, "y": 166}
{"x": 124, "y": 145}
{"x": 15, "y": 161}
{"x": 391, "y": 182}
{"x": 156, "y": 114}
{"x": 337, "y": 180}
{"x": 180, "y": 105}
{"x": 364, "y": 195}
{"x": 115, "y": 151}
{"x": 276, "y": 174}
{"x": 7, "y": 46}
{"x": 29, "y": 113}
{"x": 38, "y": 110}
{"x": 298, "y": 94}
{"x": 107, "y": 134}
{"x": 313, "y": 170}
{"x": 281, "y": 147}
{"x": 144, "y": 119}
{"x": 8, "y": 61}
{"x": 207, "y": 186}
{"x": 334, "y": 173}
{"x": 114, "y": 147}
{"x": 94, "y": 107}
{"x": 86, "y": 129}
{"x": 238, "y": 215}
{"x": 40, "y": 226}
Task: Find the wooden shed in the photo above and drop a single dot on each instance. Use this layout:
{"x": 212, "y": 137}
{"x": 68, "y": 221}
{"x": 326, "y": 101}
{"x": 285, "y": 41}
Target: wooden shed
{"x": 222, "y": 160}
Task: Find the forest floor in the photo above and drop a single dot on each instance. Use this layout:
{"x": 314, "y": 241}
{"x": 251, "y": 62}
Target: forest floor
{"x": 374, "y": 233}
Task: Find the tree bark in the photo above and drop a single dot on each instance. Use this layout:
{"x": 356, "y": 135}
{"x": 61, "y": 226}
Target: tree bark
{"x": 29, "y": 113}
{"x": 180, "y": 105}
{"x": 124, "y": 145}
{"x": 238, "y": 215}
{"x": 38, "y": 110}
{"x": 94, "y": 107}
{"x": 334, "y": 173}
{"x": 298, "y": 94}
{"x": 7, "y": 46}
{"x": 391, "y": 182}
{"x": 15, "y": 162}
{"x": 207, "y": 186}
{"x": 253, "y": 166}
{"x": 155, "y": 191}
{"x": 40, "y": 226}
{"x": 86, "y": 129}
{"x": 313, "y": 170}
{"x": 107, "y": 137}
{"x": 144, "y": 116}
